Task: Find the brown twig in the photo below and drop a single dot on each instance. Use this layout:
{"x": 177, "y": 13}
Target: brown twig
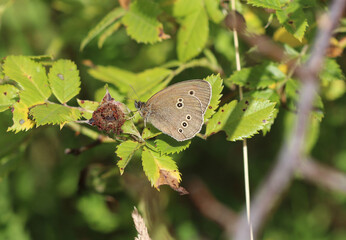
{"x": 308, "y": 169}
{"x": 289, "y": 157}
{"x": 77, "y": 151}
{"x": 210, "y": 207}
{"x": 322, "y": 175}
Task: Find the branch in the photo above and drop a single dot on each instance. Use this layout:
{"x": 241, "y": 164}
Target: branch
{"x": 322, "y": 175}
{"x": 289, "y": 157}
{"x": 77, "y": 151}
{"x": 210, "y": 207}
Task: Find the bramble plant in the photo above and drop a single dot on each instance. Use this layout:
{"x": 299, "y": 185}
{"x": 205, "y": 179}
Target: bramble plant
{"x": 179, "y": 36}
{"x": 29, "y": 98}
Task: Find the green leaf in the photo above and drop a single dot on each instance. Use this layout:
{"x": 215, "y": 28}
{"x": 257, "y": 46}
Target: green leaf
{"x": 216, "y": 85}
{"x": 129, "y": 128}
{"x": 331, "y": 71}
{"x": 8, "y": 93}
{"x": 149, "y": 82}
{"x": 292, "y": 17}
{"x": 153, "y": 163}
{"x": 95, "y": 213}
{"x": 312, "y": 133}
{"x": 145, "y": 83}
{"x": 42, "y": 58}
{"x": 268, "y": 94}
{"x": 141, "y": 21}
{"x": 7, "y": 164}
{"x": 212, "y": 7}
{"x": 308, "y": 3}
{"x": 102, "y": 25}
{"x": 224, "y": 46}
{"x": 117, "y": 76}
{"x": 64, "y": 80}
{"x": 30, "y": 76}
{"x": 125, "y": 151}
{"x": 335, "y": 90}
{"x": 253, "y": 21}
{"x": 150, "y": 132}
{"x": 270, "y": 122}
{"x": 184, "y": 8}
{"x": 51, "y": 113}
{"x": 271, "y": 4}
{"x": 241, "y": 120}
{"x": 192, "y": 35}
{"x": 258, "y": 77}
{"x": 167, "y": 145}
{"x": 88, "y": 106}
{"x": 292, "y": 89}
{"x": 108, "y": 32}
{"x": 21, "y": 122}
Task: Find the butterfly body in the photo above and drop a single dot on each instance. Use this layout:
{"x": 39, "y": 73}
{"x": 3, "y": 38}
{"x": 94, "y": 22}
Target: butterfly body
{"x": 179, "y": 109}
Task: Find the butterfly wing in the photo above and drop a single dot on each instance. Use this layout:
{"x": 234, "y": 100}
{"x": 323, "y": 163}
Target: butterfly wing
{"x": 196, "y": 87}
{"x": 178, "y": 110}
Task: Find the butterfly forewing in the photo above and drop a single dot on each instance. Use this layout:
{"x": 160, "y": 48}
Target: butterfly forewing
{"x": 199, "y": 88}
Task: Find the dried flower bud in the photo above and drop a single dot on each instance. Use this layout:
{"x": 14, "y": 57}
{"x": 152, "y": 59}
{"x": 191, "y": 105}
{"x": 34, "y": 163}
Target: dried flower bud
{"x": 110, "y": 115}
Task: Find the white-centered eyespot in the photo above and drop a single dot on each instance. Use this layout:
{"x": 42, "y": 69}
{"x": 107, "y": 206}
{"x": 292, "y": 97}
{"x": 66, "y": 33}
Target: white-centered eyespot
{"x": 180, "y": 130}
{"x": 180, "y": 105}
{"x": 188, "y": 117}
{"x": 184, "y": 124}
{"x": 192, "y": 92}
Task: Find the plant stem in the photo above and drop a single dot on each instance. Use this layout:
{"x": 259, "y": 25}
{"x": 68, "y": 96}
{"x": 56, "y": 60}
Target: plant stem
{"x": 245, "y": 151}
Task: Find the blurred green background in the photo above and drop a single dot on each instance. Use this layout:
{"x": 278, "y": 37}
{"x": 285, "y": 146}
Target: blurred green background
{"x": 50, "y": 195}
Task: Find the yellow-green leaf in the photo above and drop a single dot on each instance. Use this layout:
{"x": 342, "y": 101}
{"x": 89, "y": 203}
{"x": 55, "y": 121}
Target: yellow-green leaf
{"x": 153, "y": 162}
{"x": 21, "y": 122}
{"x": 271, "y": 4}
{"x": 64, "y": 80}
{"x": 212, "y": 7}
{"x": 102, "y": 25}
{"x": 150, "y": 132}
{"x": 141, "y": 21}
{"x": 292, "y": 17}
{"x": 168, "y": 145}
{"x": 258, "y": 77}
{"x": 216, "y": 85}
{"x": 31, "y": 77}
{"x": 192, "y": 35}
{"x": 108, "y": 32}
{"x": 8, "y": 93}
{"x": 125, "y": 151}
{"x": 117, "y": 76}
{"x": 88, "y": 106}
{"x": 129, "y": 128}
{"x": 183, "y": 8}
{"x": 51, "y": 113}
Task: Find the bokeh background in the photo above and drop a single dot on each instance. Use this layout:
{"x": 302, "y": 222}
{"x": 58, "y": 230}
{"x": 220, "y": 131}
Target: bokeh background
{"x": 46, "y": 194}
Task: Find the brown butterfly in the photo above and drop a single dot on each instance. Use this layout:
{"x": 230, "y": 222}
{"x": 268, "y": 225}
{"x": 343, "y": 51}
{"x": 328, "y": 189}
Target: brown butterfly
{"x": 179, "y": 109}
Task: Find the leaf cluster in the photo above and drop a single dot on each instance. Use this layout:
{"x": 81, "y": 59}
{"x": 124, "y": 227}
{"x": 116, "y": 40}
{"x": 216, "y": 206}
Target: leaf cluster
{"x": 38, "y": 91}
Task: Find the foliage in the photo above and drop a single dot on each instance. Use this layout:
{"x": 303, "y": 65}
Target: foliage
{"x": 142, "y": 47}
